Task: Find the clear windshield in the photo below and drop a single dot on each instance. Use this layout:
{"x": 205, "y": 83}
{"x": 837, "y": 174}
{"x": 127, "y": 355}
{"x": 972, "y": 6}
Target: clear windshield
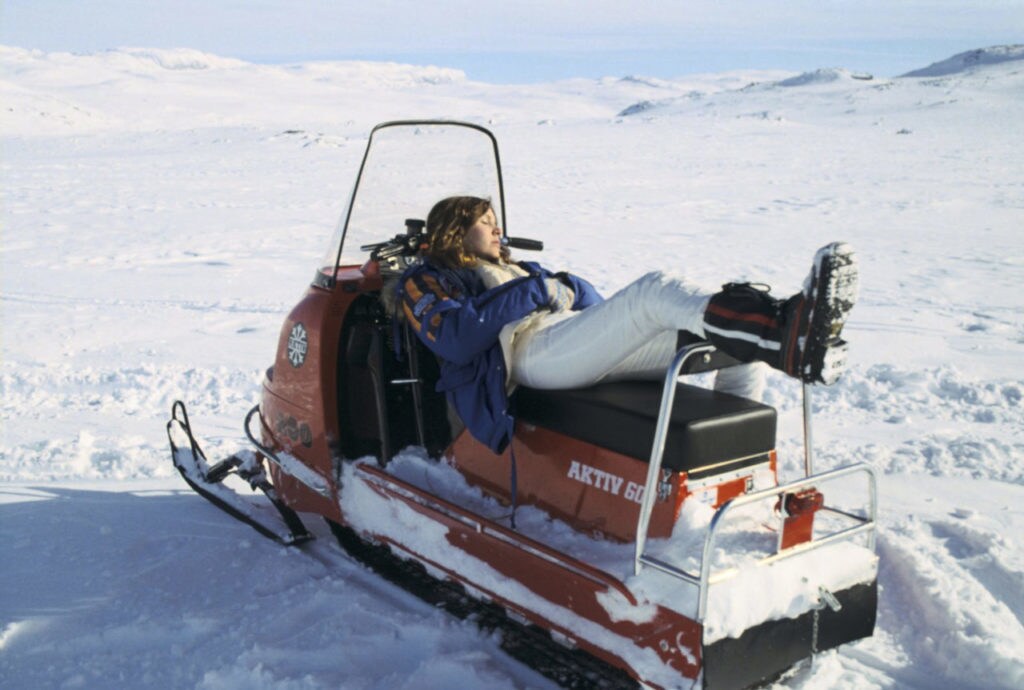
{"x": 408, "y": 168}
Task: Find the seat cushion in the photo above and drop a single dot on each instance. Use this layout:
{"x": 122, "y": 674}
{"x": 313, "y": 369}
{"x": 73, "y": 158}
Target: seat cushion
{"x": 707, "y": 427}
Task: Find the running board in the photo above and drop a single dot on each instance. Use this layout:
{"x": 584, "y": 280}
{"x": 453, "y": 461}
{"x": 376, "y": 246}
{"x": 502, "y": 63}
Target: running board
{"x": 573, "y": 669}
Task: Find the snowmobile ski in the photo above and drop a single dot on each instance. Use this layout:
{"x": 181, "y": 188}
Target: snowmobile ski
{"x": 208, "y": 480}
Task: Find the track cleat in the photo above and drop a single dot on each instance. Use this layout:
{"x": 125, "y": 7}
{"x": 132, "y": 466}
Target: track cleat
{"x": 812, "y": 349}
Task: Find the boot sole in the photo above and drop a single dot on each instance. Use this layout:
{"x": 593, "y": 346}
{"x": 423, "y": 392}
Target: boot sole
{"x": 832, "y": 296}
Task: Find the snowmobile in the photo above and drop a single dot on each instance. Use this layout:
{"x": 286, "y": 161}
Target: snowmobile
{"x": 645, "y": 539}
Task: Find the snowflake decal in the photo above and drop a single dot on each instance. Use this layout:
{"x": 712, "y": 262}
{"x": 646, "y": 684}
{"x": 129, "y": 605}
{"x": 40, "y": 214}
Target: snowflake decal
{"x": 297, "y": 345}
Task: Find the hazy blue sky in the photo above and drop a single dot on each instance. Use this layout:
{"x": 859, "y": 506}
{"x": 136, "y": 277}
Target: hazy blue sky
{"x": 533, "y": 40}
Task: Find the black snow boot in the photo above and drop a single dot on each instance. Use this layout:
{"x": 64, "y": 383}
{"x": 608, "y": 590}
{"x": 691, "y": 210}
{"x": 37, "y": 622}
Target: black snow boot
{"x": 800, "y": 335}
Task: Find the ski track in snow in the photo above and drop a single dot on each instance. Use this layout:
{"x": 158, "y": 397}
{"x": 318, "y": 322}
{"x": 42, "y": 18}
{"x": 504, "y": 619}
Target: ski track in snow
{"x": 957, "y": 597}
{"x": 164, "y": 209}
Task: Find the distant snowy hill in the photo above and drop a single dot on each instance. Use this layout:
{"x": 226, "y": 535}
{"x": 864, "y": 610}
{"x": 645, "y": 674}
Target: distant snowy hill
{"x": 164, "y": 209}
{"x": 854, "y": 97}
{"x": 133, "y": 89}
{"x": 969, "y": 60}
{"x": 149, "y": 61}
{"x": 824, "y": 76}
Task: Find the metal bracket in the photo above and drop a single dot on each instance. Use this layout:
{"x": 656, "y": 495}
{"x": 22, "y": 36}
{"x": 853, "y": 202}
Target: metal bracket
{"x": 827, "y": 598}
{"x": 665, "y": 486}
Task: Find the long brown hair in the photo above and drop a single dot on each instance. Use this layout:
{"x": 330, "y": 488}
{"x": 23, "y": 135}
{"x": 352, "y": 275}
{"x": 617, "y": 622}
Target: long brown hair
{"x": 447, "y": 224}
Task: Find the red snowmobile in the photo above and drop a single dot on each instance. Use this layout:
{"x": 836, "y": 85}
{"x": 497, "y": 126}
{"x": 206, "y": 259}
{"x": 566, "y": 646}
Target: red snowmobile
{"x": 652, "y": 544}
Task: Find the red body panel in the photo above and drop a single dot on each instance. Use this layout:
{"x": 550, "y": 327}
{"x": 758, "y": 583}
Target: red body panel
{"x": 300, "y": 402}
{"x": 593, "y": 489}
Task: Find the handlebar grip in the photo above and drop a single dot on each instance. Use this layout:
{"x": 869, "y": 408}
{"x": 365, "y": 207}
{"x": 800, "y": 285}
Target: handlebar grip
{"x": 523, "y": 243}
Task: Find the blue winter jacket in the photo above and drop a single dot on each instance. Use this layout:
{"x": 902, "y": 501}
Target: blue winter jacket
{"x": 460, "y": 320}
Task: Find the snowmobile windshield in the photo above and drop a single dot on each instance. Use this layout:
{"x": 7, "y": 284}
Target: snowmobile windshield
{"x": 407, "y": 168}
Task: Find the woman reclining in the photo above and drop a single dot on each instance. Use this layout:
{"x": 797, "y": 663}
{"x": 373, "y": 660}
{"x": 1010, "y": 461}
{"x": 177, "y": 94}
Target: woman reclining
{"x": 495, "y": 323}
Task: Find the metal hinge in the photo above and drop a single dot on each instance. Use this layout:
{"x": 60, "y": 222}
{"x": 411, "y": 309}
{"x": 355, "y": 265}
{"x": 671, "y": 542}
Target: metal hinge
{"x": 665, "y": 485}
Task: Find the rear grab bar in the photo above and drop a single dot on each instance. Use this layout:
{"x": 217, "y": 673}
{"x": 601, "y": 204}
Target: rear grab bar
{"x": 866, "y": 524}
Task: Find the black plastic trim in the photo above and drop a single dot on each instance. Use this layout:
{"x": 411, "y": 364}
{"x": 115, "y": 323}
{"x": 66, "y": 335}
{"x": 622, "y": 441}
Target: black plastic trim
{"x": 764, "y": 652}
{"x": 322, "y": 280}
{"x": 731, "y": 466}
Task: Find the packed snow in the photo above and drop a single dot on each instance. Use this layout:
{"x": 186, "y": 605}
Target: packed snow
{"x": 163, "y": 209}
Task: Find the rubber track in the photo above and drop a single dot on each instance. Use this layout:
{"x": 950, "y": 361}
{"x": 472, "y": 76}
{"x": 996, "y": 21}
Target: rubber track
{"x": 527, "y": 643}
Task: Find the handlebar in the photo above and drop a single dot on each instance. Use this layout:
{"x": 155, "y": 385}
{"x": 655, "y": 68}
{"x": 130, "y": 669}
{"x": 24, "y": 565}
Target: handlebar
{"x": 414, "y": 238}
{"x": 523, "y": 243}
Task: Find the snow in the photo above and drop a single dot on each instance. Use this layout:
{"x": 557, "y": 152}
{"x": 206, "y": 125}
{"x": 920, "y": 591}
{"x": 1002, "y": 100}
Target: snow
{"x": 162, "y": 210}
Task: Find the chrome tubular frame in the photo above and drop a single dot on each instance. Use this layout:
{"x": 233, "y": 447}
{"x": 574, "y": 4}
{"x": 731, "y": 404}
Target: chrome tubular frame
{"x": 866, "y": 526}
{"x": 808, "y": 448}
{"x": 702, "y": 581}
{"x": 668, "y": 396}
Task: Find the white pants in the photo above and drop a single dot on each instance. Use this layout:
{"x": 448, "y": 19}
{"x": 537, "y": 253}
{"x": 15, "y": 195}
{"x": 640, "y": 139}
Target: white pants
{"x": 632, "y": 335}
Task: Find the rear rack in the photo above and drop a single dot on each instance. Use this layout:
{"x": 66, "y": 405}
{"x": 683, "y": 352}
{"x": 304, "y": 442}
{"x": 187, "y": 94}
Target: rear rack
{"x": 865, "y": 524}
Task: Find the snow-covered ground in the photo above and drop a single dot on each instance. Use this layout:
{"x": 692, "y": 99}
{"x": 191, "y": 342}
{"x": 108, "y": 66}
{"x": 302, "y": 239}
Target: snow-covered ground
{"x": 162, "y": 210}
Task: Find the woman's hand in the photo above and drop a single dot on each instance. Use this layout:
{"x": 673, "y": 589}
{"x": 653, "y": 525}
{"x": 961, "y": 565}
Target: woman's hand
{"x": 561, "y": 295}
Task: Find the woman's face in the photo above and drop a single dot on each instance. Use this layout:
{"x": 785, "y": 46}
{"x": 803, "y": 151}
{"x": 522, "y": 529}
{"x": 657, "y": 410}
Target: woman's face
{"x": 483, "y": 239}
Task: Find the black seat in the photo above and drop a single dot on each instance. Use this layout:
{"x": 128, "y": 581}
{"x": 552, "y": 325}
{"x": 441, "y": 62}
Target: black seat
{"x": 707, "y": 428}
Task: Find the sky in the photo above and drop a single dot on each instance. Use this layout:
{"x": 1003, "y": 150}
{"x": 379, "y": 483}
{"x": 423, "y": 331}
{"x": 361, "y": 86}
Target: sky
{"x": 534, "y": 40}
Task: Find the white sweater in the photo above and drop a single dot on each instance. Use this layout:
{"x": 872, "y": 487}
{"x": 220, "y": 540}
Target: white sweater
{"x": 494, "y": 274}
